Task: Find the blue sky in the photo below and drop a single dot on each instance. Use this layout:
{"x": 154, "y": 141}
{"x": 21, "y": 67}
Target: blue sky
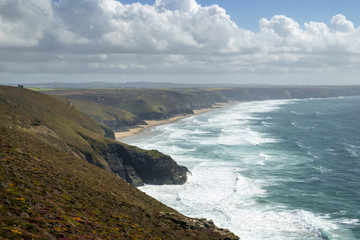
{"x": 202, "y": 41}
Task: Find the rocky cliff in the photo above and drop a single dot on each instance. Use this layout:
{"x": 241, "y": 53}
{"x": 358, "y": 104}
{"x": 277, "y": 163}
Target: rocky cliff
{"x": 282, "y": 92}
{"x": 138, "y": 166}
{"x": 144, "y": 104}
{"x": 49, "y": 193}
{"x": 120, "y": 109}
{"x": 75, "y": 133}
{"x": 59, "y": 178}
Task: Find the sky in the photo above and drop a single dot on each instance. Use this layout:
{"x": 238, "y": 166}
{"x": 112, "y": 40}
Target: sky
{"x": 292, "y": 42}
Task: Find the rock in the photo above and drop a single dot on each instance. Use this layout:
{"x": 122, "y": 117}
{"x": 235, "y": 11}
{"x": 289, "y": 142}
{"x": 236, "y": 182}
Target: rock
{"x": 138, "y": 166}
{"x": 119, "y": 125}
{"x": 132, "y": 177}
{"x": 108, "y": 132}
{"x": 157, "y": 170}
{"x": 198, "y": 224}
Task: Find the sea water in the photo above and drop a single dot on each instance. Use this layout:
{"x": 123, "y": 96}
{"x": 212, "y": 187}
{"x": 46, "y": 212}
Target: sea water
{"x": 280, "y": 169}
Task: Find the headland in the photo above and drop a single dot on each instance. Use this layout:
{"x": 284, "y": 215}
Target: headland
{"x": 152, "y": 123}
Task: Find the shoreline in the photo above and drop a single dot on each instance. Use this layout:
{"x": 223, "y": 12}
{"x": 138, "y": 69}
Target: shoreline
{"x": 151, "y": 123}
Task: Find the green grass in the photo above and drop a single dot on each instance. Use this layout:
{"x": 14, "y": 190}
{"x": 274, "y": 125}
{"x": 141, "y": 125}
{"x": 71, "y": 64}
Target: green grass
{"x": 145, "y": 104}
{"x": 45, "y": 193}
{"x": 41, "y": 113}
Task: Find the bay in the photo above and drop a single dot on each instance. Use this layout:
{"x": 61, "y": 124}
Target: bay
{"x": 279, "y": 169}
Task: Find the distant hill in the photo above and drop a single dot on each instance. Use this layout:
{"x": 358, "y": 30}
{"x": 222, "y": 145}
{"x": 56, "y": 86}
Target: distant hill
{"x": 146, "y": 104}
{"x": 57, "y": 178}
{"x": 153, "y": 85}
{"x": 121, "y": 108}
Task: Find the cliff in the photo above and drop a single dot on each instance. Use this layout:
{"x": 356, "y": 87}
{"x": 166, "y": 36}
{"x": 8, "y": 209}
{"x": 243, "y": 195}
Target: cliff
{"x": 75, "y": 133}
{"x": 144, "y": 104}
{"x": 139, "y": 166}
{"x": 120, "y": 109}
{"x": 46, "y": 193}
{"x": 114, "y": 118}
{"x": 51, "y": 187}
{"x": 283, "y": 92}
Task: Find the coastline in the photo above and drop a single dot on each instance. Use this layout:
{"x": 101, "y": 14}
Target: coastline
{"x": 151, "y": 123}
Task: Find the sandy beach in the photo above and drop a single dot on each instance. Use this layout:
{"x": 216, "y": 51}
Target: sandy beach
{"x": 151, "y": 123}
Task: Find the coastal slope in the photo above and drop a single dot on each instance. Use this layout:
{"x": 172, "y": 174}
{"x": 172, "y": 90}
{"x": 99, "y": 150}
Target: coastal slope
{"x": 56, "y": 183}
{"x": 75, "y": 133}
{"x": 121, "y": 109}
{"x": 135, "y": 105}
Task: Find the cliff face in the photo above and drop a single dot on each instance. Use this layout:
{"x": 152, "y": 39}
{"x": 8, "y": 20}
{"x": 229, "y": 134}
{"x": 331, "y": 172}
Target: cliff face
{"x": 116, "y": 119}
{"x": 49, "y": 193}
{"x": 119, "y": 124}
{"x": 75, "y": 133}
{"x": 144, "y": 104}
{"x": 138, "y": 166}
{"x": 268, "y": 93}
{"x": 120, "y": 109}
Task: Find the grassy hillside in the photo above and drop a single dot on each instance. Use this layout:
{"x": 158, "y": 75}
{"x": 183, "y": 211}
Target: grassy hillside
{"x": 49, "y": 191}
{"x": 114, "y": 118}
{"x": 73, "y": 132}
{"x": 146, "y": 104}
{"x": 120, "y": 109}
{"x": 53, "y": 121}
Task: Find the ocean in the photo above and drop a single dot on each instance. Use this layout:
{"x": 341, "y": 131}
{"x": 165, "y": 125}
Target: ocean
{"x": 278, "y": 169}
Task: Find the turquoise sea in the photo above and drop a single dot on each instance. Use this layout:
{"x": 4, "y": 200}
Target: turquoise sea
{"x": 279, "y": 169}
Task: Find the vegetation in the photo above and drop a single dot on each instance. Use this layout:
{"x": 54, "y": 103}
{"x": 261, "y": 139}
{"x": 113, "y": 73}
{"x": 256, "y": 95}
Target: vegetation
{"x": 145, "y": 104}
{"x": 57, "y": 165}
{"x": 128, "y": 107}
{"x": 114, "y": 118}
{"x": 49, "y": 191}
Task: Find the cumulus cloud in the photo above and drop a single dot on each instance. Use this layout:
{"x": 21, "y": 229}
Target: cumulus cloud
{"x": 177, "y": 5}
{"x": 170, "y": 37}
{"x": 339, "y": 23}
{"x": 23, "y": 22}
{"x": 177, "y": 26}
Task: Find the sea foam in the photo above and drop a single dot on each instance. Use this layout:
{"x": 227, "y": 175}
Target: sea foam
{"x": 251, "y": 171}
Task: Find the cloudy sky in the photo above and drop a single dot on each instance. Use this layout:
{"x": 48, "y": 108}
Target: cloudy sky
{"x": 203, "y": 41}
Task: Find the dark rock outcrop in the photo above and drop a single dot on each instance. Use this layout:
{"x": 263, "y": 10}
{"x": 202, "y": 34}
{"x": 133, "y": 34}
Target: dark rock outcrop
{"x": 108, "y": 132}
{"x": 198, "y": 224}
{"x": 119, "y": 125}
{"x": 162, "y": 114}
{"x": 132, "y": 177}
{"x": 139, "y": 166}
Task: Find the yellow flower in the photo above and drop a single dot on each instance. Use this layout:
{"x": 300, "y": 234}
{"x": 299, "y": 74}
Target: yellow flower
{"x": 16, "y": 231}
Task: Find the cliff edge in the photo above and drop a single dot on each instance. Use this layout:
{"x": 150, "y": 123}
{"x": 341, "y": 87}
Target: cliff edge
{"x": 73, "y": 132}
{"x": 58, "y": 181}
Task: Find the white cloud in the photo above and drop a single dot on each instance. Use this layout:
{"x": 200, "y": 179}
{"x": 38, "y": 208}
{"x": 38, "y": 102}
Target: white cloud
{"x": 177, "y": 5}
{"x": 23, "y": 22}
{"x": 170, "y": 37}
{"x": 281, "y": 25}
{"x": 339, "y": 23}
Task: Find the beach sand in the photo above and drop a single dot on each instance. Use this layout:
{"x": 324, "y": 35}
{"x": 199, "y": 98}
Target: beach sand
{"x": 151, "y": 123}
